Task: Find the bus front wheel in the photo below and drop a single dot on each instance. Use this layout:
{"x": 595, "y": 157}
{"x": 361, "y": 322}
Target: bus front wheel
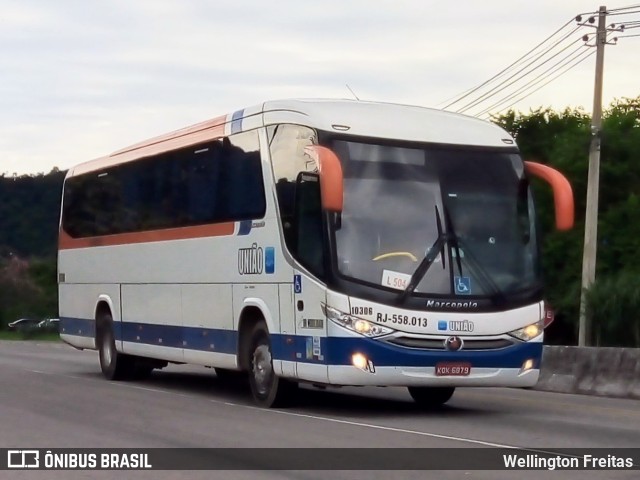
{"x": 267, "y": 389}
{"x": 431, "y": 397}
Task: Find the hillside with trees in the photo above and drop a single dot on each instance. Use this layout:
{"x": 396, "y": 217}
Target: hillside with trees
{"x": 30, "y": 205}
{"x": 29, "y": 210}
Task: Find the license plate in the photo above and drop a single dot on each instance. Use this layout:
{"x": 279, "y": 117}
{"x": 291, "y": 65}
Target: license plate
{"x": 453, "y": 369}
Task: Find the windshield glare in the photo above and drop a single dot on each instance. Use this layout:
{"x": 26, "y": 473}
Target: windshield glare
{"x": 398, "y": 199}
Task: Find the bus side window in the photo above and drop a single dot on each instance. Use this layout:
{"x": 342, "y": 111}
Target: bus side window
{"x": 298, "y": 193}
{"x": 308, "y": 223}
{"x": 285, "y": 191}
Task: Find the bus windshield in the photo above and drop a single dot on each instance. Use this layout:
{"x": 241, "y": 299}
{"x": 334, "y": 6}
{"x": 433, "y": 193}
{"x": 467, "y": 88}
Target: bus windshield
{"x": 400, "y": 198}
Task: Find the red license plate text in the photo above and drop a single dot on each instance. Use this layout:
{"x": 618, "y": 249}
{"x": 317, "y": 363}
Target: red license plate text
{"x": 453, "y": 369}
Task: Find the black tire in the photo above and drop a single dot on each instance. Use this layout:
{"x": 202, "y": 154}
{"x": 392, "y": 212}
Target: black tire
{"x": 114, "y": 365}
{"x": 431, "y": 397}
{"x": 268, "y": 390}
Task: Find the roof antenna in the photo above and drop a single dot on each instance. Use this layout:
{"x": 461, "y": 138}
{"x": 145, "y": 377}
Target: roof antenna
{"x": 352, "y": 92}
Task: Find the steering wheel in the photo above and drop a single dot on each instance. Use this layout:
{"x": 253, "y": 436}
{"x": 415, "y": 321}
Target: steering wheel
{"x": 396, "y": 254}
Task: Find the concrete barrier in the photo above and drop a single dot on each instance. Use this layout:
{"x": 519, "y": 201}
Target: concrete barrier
{"x": 611, "y": 372}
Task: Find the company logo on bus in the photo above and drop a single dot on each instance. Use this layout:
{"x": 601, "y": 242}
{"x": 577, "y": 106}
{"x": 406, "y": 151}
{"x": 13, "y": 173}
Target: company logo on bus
{"x": 447, "y": 305}
{"x": 250, "y": 260}
{"x": 461, "y": 326}
{"x": 453, "y": 344}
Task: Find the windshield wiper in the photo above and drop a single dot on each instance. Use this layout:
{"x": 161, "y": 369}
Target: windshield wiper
{"x": 481, "y": 274}
{"x": 455, "y": 242}
{"x": 427, "y": 261}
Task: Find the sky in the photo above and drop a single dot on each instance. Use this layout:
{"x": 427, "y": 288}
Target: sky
{"x": 81, "y": 79}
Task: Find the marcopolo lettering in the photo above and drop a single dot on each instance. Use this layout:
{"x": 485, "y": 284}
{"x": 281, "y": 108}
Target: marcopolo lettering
{"x": 250, "y": 260}
{"x": 451, "y": 305}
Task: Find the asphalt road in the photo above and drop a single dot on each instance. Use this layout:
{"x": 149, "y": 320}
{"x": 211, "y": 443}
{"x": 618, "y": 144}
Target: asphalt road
{"x": 52, "y": 396}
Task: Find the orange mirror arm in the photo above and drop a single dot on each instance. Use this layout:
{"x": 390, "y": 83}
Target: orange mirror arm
{"x": 331, "y": 177}
{"x": 562, "y": 192}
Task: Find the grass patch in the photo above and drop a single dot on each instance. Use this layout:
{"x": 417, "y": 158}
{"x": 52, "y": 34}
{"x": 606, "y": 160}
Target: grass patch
{"x": 40, "y": 336}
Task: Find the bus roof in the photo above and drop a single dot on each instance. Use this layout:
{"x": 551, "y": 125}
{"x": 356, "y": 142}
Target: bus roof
{"x": 372, "y": 119}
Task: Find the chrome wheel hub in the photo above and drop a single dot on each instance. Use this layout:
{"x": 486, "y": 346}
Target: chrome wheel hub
{"x": 262, "y": 369}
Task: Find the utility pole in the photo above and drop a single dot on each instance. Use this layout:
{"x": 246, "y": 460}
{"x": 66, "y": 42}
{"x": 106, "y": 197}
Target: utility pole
{"x": 591, "y": 214}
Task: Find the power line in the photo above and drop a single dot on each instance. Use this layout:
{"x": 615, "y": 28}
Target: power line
{"x": 576, "y": 54}
{"x": 630, "y": 7}
{"x": 546, "y": 83}
{"x": 517, "y": 62}
{"x": 533, "y": 60}
{"x": 577, "y": 59}
{"x": 623, "y": 13}
{"x": 497, "y": 88}
{"x": 581, "y": 57}
{"x": 468, "y": 90}
{"x": 512, "y": 65}
{"x": 539, "y": 78}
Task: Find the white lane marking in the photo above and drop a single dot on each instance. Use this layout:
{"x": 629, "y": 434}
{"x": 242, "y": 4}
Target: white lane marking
{"x": 399, "y": 430}
{"x": 371, "y": 425}
{"x": 330, "y": 419}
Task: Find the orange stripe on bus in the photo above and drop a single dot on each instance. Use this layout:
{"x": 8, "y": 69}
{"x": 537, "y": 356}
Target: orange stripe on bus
{"x": 213, "y": 127}
{"x": 203, "y": 132}
{"x": 66, "y": 242}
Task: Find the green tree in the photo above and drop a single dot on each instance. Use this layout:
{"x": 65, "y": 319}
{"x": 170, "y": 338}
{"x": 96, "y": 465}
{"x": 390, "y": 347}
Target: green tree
{"x": 561, "y": 140}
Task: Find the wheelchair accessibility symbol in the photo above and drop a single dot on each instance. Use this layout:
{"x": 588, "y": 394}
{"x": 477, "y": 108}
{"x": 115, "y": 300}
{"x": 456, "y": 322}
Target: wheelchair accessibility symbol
{"x": 463, "y": 285}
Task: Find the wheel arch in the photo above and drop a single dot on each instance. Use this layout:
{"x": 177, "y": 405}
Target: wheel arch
{"x": 104, "y": 305}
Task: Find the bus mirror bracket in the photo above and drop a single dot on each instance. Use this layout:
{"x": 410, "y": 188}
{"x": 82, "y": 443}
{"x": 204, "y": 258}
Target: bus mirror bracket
{"x": 562, "y": 192}
{"x": 331, "y": 178}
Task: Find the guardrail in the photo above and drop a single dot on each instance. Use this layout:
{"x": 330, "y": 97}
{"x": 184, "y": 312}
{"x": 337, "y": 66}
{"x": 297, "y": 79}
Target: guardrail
{"x": 605, "y": 371}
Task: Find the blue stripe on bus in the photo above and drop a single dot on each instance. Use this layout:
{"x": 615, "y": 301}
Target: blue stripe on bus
{"x": 210, "y": 340}
{"x": 382, "y": 354}
{"x": 245, "y": 227}
{"x": 79, "y": 327}
{"x": 300, "y": 348}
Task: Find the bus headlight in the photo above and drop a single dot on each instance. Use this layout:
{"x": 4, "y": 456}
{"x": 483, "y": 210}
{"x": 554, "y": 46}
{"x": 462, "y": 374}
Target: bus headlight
{"x": 529, "y": 332}
{"x": 358, "y": 325}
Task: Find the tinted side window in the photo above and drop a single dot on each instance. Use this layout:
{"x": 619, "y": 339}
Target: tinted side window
{"x": 216, "y": 182}
{"x": 298, "y": 192}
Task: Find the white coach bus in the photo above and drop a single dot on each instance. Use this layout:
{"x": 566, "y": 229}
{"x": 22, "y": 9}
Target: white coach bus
{"x": 328, "y": 242}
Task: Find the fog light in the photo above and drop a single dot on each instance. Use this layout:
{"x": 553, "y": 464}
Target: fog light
{"x": 527, "y": 365}
{"x": 363, "y": 363}
{"x": 359, "y": 361}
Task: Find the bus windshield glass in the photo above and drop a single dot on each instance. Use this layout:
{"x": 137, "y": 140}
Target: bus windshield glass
{"x": 400, "y": 198}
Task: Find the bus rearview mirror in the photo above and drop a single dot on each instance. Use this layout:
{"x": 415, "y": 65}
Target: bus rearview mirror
{"x": 562, "y": 192}
{"x": 331, "y": 179}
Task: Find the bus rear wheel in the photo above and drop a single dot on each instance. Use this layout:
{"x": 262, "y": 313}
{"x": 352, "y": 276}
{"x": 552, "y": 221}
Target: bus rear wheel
{"x": 268, "y": 390}
{"x": 114, "y": 365}
{"x": 431, "y": 397}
